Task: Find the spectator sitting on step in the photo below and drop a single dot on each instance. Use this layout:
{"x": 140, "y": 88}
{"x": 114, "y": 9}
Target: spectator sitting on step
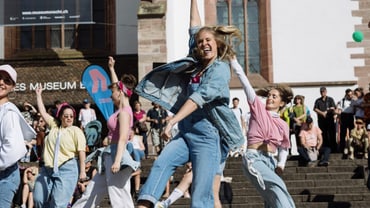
{"x": 29, "y": 177}
{"x": 135, "y": 146}
{"x": 312, "y": 149}
{"x": 358, "y": 140}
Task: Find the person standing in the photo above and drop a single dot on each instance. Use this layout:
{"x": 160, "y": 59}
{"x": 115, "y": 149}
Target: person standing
{"x": 114, "y": 181}
{"x": 345, "y": 110}
{"x": 13, "y": 131}
{"x": 268, "y": 135}
{"x": 157, "y": 118}
{"x": 86, "y": 114}
{"x": 140, "y": 124}
{"x": 325, "y": 108}
{"x": 299, "y": 112}
{"x": 200, "y": 105}
{"x": 65, "y": 142}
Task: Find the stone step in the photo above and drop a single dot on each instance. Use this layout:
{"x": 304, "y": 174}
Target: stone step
{"x": 341, "y": 184}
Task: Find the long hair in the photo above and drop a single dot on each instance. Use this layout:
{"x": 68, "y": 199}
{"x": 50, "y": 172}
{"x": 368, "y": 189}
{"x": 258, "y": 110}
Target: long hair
{"x": 285, "y": 91}
{"x": 224, "y": 36}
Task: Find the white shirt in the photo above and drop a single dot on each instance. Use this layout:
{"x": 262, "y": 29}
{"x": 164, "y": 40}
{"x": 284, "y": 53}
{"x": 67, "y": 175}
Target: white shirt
{"x": 13, "y": 131}
{"x": 86, "y": 115}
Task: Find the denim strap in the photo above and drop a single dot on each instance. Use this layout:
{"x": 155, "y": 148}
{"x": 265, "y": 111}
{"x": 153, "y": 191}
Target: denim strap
{"x": 56, "y": 153}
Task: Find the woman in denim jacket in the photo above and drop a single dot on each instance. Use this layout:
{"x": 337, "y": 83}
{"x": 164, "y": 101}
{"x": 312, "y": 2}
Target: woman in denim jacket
{"x": 200, "y": 103}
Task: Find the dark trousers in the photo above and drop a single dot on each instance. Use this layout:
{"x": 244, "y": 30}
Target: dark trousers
{"x": 346, "y": 124}
{"x": 327, "y": 127}
{"x": 324, "y": 154}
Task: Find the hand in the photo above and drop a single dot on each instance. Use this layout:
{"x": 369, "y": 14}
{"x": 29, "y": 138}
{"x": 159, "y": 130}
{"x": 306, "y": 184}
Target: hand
{"x": 82, "y": 175}
{"x": 38, "y": 89}
{"x": 111, "y": 62}
{"x": 166, "y": 134}
{"x": 115, "y": 167}
{"x": 279, "y": 171}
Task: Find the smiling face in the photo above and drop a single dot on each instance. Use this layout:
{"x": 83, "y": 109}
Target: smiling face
{"x": 207, "y": 46}
{"x": 274, "y": 101}
{"x": 67, "y": 117}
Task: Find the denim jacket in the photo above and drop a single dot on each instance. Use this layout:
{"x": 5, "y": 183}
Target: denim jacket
{"x": 167, "y": 85}
{"x": 98, "y": 155}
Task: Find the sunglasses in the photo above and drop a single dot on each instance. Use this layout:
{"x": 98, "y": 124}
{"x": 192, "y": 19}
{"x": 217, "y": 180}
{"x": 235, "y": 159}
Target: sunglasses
{"x": 6, "y": 79}
{"x": 67, "y": 116}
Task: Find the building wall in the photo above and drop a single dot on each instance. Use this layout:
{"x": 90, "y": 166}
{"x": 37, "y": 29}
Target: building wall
{"x": 1, "y": 41}
{"x": 126, "y": 27}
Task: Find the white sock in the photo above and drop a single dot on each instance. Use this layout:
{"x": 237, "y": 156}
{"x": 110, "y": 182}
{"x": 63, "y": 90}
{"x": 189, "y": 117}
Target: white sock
{"x": 175, "y": 195}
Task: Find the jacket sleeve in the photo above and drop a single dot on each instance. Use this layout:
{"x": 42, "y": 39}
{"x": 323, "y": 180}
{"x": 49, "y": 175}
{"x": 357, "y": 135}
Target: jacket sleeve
{"x": 12, "y": 146}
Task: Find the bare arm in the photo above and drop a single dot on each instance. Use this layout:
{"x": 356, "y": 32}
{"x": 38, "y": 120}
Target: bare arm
{"x": 113, "y": 75}
{"x": 188, "y": 107}
{"x": 82, "y": 157}
{"x": 319, "y": 141}
{"x": 40, "y": 104}
{"x": 194, "y": 14}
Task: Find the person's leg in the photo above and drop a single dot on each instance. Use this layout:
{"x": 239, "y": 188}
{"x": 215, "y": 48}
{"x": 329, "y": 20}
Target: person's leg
{"x": 204, "y": 143}
{"x": 30, "y": 200}
{"x": 94, "y": 193}
{"x": 145, "y": 141}
{"x": 156, "y": 140}
{"x": 260, "y": 171}
{"x": 119, "y": 185}
{"x": 175, "y": 154}
{"x": 325, "y": 154}
{"x": 9, "y": 183}
{"x": 43, "y": 186}
{"x": 303, "y": 156}
{"x": 179, "y": 191}
{"x": 65, "y": 181}
{"x": 25, "y": 193}
{"x": 216, "y": 191}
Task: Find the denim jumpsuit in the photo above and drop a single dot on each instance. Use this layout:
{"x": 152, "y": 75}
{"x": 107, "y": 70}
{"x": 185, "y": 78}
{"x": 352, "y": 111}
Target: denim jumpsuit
{"x": 200, "y": 134}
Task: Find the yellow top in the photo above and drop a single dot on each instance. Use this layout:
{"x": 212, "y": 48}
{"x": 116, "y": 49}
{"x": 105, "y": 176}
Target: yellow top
{"x": 72, "y": 140}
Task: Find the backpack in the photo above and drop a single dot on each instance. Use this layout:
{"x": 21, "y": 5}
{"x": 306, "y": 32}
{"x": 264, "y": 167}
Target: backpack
{"x": 93, "y": 134}
{"x": 226, "y": 193}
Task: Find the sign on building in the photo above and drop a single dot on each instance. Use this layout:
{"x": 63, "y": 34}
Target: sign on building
{"x": 45, "y": 12}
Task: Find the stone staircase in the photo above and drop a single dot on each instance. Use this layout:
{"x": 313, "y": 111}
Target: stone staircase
{"x": 340, "y": 185}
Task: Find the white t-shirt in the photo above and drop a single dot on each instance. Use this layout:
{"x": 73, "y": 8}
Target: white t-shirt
{"x": 239, "y": 115}
{"x": 86, "y": 115}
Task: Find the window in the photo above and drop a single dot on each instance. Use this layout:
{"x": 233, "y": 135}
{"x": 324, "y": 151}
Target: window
{"x": 233, "y": 12}
{"x": 88, "y": 38}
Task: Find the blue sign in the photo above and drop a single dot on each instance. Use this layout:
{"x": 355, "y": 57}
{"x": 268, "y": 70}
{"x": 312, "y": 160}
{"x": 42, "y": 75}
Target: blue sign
{"x": 96, "y": 81}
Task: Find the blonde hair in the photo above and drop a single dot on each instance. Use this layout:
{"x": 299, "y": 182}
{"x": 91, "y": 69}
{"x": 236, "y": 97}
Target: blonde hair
{"x": 224, "y": 36}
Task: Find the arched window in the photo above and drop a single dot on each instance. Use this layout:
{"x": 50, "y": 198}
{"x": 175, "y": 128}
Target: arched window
{"x": 252, "y": 18}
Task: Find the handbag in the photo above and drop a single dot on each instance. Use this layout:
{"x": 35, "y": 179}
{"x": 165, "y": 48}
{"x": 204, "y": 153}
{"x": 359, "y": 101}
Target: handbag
{"x": 142, "y": 126}
{"x": 312, "y": 153}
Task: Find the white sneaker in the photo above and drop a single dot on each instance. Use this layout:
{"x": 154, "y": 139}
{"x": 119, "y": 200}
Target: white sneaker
{"x": 161, "y": 204}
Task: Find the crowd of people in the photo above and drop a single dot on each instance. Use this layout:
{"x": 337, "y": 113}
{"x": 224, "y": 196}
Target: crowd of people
{"x": 186, "y": 127}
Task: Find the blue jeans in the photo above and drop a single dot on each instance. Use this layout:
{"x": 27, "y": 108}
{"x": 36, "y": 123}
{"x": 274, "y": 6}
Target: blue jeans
{"x": 198, "y": 142}
{"x": 9, "y": 183}
{"x": 136, "y": 153}
{"x": 259, "y": 168}
{"x": 56, "y": 189}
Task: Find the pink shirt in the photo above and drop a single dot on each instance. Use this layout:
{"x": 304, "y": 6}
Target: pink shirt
{"x": 113, "y": 124}
{"x": 139, "y": 115}
{"x": 311, "y": 135}
{"x": 266, "y": 126}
